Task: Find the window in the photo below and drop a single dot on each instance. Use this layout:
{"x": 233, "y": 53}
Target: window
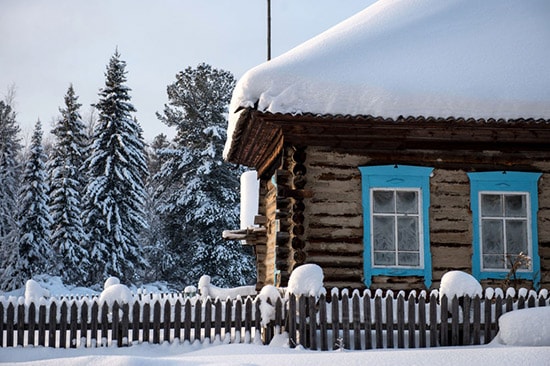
{"x": 504, "y": 207}
{"x": 396, "y": 236}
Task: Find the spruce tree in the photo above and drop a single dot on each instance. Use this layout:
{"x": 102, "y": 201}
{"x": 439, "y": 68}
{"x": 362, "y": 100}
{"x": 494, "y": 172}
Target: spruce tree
{"x": 10, "y": 147}
{"x": 199, "y": 191}
{"x": 67, "y": 183}
{"x": 114, "y": 197}
{"x": 35, "y": 252}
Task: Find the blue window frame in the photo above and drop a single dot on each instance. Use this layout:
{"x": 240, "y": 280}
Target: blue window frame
{"x": 396, "y": 201}
{"x": 504, "y": 212}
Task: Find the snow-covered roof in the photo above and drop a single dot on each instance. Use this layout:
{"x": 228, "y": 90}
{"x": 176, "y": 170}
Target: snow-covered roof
{"x": 460, "y": 58}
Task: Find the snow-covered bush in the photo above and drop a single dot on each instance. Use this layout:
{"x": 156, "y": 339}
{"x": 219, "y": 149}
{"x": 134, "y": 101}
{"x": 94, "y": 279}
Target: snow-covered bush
{"x": 268, "y": 297}
{"x": 459, "y": 284}
{"x": 115, "y": 291}
{"x": 34, "y": 292}
{"x": 525, "y": 327}
{"x": 207, "y": 289}
{"x": 306, "y": 279}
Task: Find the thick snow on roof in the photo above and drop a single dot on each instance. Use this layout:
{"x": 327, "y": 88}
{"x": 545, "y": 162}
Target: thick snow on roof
{"x": 460, "y": 58}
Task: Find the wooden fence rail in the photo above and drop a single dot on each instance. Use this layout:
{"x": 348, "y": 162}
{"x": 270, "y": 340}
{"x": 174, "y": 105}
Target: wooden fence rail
{"x": 339, "y": 320}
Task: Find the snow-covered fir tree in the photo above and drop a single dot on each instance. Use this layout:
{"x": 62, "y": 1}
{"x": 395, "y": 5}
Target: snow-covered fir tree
{"x": 67, "y": 184}
{"x": 114, "y": 197}
{"x": 35, "y": 252}
{"x": 198, "y": 190}
{"x": 10, "y": 147}
{"x": 155, "y": 245}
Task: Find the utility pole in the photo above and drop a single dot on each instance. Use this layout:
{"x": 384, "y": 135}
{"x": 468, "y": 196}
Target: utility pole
{"x": 268, "y": 30}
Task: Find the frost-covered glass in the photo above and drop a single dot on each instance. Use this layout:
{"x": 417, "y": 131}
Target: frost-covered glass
{"x": 396, "y": 228}
{"x": 504, "y": 229}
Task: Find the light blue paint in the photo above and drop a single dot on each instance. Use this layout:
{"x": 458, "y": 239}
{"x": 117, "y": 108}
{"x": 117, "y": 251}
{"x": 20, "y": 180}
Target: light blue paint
{"x": 396, "y": 176}
{"x": 505, "y": 182}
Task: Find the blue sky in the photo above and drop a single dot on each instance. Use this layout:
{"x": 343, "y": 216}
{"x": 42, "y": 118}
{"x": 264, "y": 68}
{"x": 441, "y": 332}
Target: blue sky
{"x": 47, "y": 44}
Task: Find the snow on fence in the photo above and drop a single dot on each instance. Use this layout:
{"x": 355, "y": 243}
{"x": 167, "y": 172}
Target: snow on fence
{"x": 357, "y": 321}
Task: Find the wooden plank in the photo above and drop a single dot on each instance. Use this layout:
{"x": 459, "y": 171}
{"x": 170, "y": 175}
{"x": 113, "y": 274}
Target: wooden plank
{"x": 2, "y": 324}
{"x": 378, "y": 324}
{"x": 105, "y": 325}
{"x": 444, "y": 326}
{"x": 146, "y": 322}
{"x": 218, "y": 307}
{"x": 228, "y": 319}
{"x": 312, "y": 317}
{"x": 73, "y": 326}
{"x": 411, "y": 317}
{"x": 400, "y": 321}
{"x": 487, "y": 326}
{"x": 389, "y": 321}
{"x": 21, "y": 325}
{"x": 334, "y": 303}
{"x": 291, "y": 320}
{"x": 198, "y": 321}
{"x": 84, "y": 324}
{"x": 368, "y": 320}
{"x": 52, "y": 336}
{"x": 466, "y": 306}
{"x": 41, "y": 326}
{"x": 94, "y": 326}
{"x": 356, "y": 316}
{"x": 345, "y": 320}
{"x": 422, "y": 322}
{"x": 454, "y": 322}
{"x": 124, "y": 325}
{"x": 248, "y": 317}
{"x": 136, "y": 311}
{"x": 238, "y": 320}
{"x": 323, "y": 326}
{"x": 32, "y": 324}
{"x": 477, "y": 320}
{"x": 208, "y": 320}
{"x": 302, "y": 316}
{"x": 433, "y": 321}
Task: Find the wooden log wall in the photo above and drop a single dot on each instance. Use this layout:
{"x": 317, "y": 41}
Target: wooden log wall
{"x": 333, "y": 221}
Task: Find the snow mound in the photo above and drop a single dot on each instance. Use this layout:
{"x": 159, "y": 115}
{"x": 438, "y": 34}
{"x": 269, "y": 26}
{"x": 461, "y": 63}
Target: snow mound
{"x": 190, "y": 291}
{"x": 34, "y": 292}
{"x": 115, "y": 292}
{"x": 525, "y": 327}
{"x": 268, "y": 298}
{"x": 207, "y": 289}
{"x": 306, "y": 280}
{"x": 458, "y": 283}
{"x": 111, "y": 281}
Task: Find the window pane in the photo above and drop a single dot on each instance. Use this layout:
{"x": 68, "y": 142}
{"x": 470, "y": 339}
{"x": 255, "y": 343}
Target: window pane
{"x": 492, "y": 236}
{"x": 515, "y": 205}
{"x": 383, "y": 233}
{"x": 383, "y": 201}
{"x": 409, "y": 259}
{"x": 407, "y": 202}
{"x": 384, "y": 258}
{"x": 493, "y": 261}
{"x": 407, "y": 233}
{"x": 491, "y": 205}
{"x": 516, "y": 236}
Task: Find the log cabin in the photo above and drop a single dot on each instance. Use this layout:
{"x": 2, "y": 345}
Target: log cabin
{"x": 409, "y": 140}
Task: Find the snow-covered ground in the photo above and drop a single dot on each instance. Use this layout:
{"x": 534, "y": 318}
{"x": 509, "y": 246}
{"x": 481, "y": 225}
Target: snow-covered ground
{"x": 246, "y": 354}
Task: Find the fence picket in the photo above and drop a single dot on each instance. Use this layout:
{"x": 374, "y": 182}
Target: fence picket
{"x": 389, "y": 320}
{"x": 73, "y": 327}
{"x": 411, "y": 315}
{"x": 53, "y": 326}
{"x": 368, "y": 320}
{"x": 454, "y": 321}
{"x": 84, "y": 324}
{"x": 477, "y": 320}
{"x": 487, "y": 331}
{"x": 334, "y": 304}
{"x": 433, "y": 320}
{"x": 291, "y": 320}
{"x": 21, "y": 325}
{"x": 41, "y": 325}
{"x": 444, "y": 326}
{"x": 466, "y": 320}
{"x": 356, "y": 316}
{"x": 312, "y": 322}
{"x": 323, "y": 328}
{"x": 421, "y": 322}
{"x": 400, "y": 321}
{"x": 345, "y": 320}
{"x": 207, "y": 319}
{"x": 378, "y": 323}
